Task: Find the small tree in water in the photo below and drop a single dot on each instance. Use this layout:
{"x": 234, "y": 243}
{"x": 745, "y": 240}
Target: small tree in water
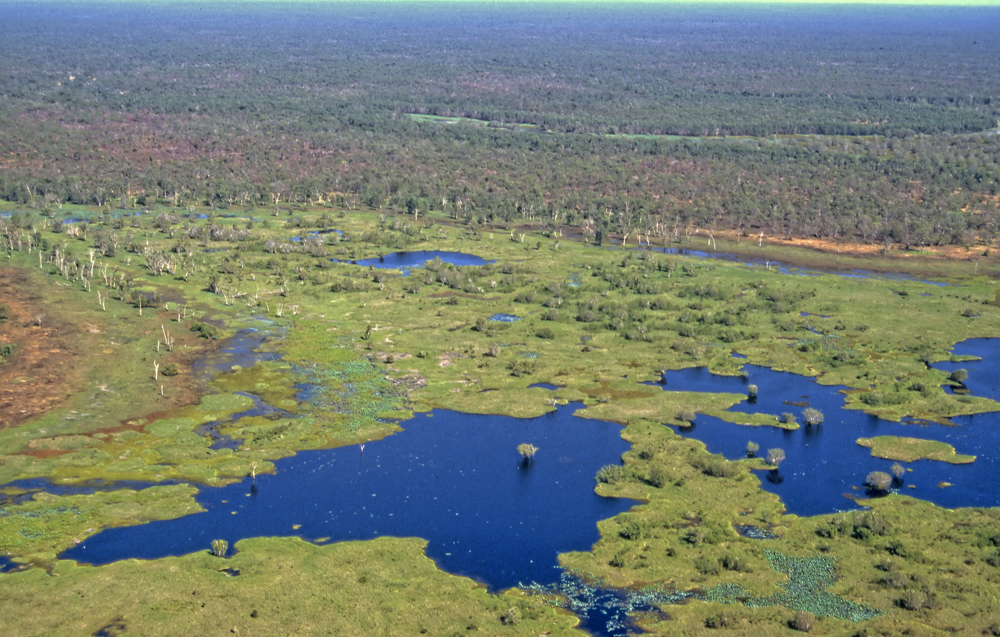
{"x": 752, "y": 449}
{"x": 775, "y": 457}
{"x": 527, "y": 451}
{"x": 219, "y": 548}
{"x": 812, "y": 416}
{"x": 879, "y": 480}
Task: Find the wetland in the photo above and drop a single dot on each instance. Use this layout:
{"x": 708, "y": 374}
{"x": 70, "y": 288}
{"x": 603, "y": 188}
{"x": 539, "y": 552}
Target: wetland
{"x": 557, "y": 319}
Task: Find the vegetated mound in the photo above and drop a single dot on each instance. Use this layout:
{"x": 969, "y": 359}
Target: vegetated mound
{"x": 911, "y": 449}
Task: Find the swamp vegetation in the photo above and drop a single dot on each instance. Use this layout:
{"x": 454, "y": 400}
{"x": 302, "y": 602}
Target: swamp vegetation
{"x": 224, "y": 247}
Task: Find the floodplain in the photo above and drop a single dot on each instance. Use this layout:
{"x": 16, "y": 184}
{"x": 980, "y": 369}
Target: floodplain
{"x": 266, "y": 348}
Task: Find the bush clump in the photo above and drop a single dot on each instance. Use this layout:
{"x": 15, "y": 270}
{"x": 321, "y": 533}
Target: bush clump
{"x": 879, "y": 480}
{"x": 510, "y": 617}
{"x": 803, "y": 620}
{"x": 170, "y": 369}
{"x": 611, "y": 474}
{"x": 206, "y": 330}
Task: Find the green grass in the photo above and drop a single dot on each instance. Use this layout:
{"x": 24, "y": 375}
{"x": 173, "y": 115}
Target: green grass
{"x": 913, "y": 449}
{"x": 283, "y": 586}
{"x": 650, "y": 312}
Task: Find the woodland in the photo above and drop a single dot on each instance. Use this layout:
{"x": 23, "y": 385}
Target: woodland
{"x": 869, "y": 124}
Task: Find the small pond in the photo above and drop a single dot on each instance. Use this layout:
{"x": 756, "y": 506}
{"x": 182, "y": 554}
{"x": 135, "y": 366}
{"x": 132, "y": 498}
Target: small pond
{"x": 316, "y": 233}
{"x": 406, "y": 260}
{"x": 824, "y": 466}
{"x": 451, "y": 478}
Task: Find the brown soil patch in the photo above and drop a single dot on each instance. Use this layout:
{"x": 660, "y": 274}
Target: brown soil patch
{"x": 42, "y": 371}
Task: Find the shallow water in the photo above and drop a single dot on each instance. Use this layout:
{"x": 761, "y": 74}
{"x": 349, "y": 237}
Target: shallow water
{"x": 242, "y": 349}
{"x": 784, "y": 268}
{"x": 824, "y": 466}
{"x": 402, "y": 260}
{"x": 451, "y": 478}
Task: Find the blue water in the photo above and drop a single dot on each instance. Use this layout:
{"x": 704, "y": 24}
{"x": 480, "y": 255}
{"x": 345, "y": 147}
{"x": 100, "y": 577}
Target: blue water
{"x": 504, "y": 318}
{"x": 789, "y": 269}
{"x": 259, "y": 409}
{"x": 7, "y": 565}
{"x": 316, "y": 233}
{"x": 400, "y": 260}
{"x": 824, "y": 466}
{"x": 454, "y": 479}
{"x": 545, "y": 386}
{"x": 242, "y": 349}
{"x": 984, "y": 375}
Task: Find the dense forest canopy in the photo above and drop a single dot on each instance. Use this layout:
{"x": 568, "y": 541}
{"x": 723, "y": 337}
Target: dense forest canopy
{"x": 873, "y": 123}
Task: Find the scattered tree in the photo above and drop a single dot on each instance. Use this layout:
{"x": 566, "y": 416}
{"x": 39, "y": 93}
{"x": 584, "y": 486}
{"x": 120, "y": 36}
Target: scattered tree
{"x": 812, "y": 416}
{"x": 879, "y": 480}
{"x": 527, "y": 451}
{"x": 775, "y": 457}
{"x": 752, "y": 449}
{"x": 219, "y": 548}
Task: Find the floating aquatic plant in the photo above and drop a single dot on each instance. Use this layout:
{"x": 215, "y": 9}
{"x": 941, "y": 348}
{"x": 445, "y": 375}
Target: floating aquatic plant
{"x": 614, "y": 606}
{"x": 356, "y": 389}
{"x": 805, "y": 590}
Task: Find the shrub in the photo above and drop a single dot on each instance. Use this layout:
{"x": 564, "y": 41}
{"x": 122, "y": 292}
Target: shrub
{"x": 959, "y": 376}
{"x": 587, "y": 316}
{"x": 480, "y": 324}
{"x": 879, "y": 480}
{"x": 658, "y": 477}
{"x": 787, "y": 418}
{"x": 527, "y": 451}
{"x": 545, "y": 332}
{"x": 686, "y": 415}
{"x": 898, "y": 471}
{"x": 510, "y": 616}
{"x": 631, "y": 531}
{"x": 735, "y": 563}
{"x": 803, "y": 620}
{"x": 717, "y": 467}
{"x": 611, "y": 474}
{"x": 752, "y": 449}
{"x": 812, "y": 416}
{"x": 752, "y": 391}
{"x": 775, "y": 456}
{"x": 219, "y": 548}
{"x": 4, "y": 312}
{"x": 550, "y": 315}
{"x": 520, "y": 368}
{"x": 916, "y": 599}
{"x": 869, "y": 523}
{"x": 206, "y": 330}
{"x": 170, "y": 369}
{"x": 722, "y": 620}
{"x": 707, "y": 566}
{"x": 7, "y": 350}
